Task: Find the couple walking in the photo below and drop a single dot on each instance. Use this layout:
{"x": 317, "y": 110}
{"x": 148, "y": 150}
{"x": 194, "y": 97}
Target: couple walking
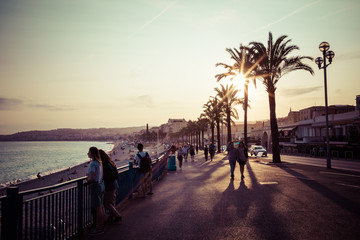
{"x": 102, "y": 180}
{"x": 237, "y": 155}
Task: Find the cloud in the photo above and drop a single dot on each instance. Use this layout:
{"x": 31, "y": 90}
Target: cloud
{"x": 345, "y": 9}
{"x": 145, "y": 25}
{"x": 287, "y": 16}
{"x": 299, "y": 91}
{"x": 9, "y": 104}
{"x": 51, "y": 107}
{"x": 142, "y": 101}
{"x": 347, "y": 56}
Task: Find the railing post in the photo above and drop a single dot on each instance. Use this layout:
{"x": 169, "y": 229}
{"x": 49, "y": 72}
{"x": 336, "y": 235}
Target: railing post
{"x": 80, "y": 187}
{"x": 11, "y": 214}
{"x": 131, "y": 165}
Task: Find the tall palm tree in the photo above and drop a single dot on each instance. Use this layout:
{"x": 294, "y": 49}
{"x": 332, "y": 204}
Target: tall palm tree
{"x": 244, "y": 65}
{"x": 203, "y": 124}
{"x": 219, "y": 115}
{"x": 192, "y": 129}
{"x": 210, "y": 115}
{"x": 276, "y": 62}
{"x": 229, "y": 99}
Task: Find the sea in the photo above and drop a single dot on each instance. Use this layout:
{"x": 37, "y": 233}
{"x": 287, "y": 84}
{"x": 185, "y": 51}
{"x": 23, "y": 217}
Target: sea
{"x": 21, "y": 161}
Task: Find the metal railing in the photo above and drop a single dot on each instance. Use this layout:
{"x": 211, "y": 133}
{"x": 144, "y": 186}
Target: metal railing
{"x": 61, "y": 211}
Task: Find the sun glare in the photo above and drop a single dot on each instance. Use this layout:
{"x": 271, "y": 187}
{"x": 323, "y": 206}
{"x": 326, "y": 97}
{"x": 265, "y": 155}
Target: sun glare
{"x": 238, "y": 81}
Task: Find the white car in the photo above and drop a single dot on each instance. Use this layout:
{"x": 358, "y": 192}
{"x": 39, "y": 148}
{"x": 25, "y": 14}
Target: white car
{"x": 255, "y": 149}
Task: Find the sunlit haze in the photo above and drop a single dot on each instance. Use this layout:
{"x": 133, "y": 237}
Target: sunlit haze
{"x": 92, "y": 64}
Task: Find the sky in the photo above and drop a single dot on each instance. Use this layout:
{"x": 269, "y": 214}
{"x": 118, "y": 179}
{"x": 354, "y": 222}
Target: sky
{"x": 111, "y": 63}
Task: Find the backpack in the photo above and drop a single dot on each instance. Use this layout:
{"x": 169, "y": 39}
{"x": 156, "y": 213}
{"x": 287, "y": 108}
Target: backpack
{"x": 145, "y": 163}
{"x": 110, "y": 172}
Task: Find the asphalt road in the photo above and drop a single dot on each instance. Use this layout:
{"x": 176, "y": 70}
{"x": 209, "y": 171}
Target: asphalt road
{"x": 351, "y": 165}
{"x": 275, "y": 201}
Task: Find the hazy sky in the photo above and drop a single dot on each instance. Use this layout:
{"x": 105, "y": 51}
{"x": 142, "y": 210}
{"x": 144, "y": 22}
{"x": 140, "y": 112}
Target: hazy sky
{"x": 112, "y": 63}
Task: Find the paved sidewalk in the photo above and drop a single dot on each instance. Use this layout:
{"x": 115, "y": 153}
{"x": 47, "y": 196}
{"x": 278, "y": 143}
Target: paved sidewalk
{"x": 275, "y": 201}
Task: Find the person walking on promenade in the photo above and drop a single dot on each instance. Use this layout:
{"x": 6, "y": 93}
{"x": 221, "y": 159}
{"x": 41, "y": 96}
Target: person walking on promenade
{"x": 206, "y": 151}
{"x": 141, "y": 159}
{"x": 212, "y": 148}
{"x": 180, "y": 154}
{"x": 95, "y": 179}
{"x": 197, "y": 149}
{"x": 243, "y": 156}
{"x": 186, "y": 151}
{"x": 192, "y": 152}
{"x": 110, "y": 180}
{"x": 233, "y": 155}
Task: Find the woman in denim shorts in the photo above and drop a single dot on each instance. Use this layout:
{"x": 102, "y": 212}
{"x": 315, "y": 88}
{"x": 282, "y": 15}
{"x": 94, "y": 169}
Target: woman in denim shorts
{"x": 95, "y": 179}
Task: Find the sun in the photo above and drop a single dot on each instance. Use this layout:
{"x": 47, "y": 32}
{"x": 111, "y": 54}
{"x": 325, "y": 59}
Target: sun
{"x": 238, "y": 81}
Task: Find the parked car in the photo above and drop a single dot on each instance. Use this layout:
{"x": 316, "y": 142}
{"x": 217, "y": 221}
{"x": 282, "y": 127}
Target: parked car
{"x": 255, "y": 149}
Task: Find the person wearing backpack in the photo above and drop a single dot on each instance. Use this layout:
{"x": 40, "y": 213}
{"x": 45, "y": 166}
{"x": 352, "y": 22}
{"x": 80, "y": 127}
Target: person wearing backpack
{"x": 143, "y": 160}
{"x": 110, "y": 180}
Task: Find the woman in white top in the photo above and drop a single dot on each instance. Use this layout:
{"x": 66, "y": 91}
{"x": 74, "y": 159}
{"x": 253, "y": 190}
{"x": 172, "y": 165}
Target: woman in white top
{"x": 97, "y": 187}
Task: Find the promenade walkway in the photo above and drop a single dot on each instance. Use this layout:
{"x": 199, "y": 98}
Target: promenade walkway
{"x": 275, "y": 201}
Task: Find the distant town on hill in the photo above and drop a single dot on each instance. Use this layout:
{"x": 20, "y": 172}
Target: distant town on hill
{"x": 68, "y": 134}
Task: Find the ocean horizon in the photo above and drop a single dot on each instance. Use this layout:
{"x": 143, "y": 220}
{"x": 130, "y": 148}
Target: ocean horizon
{"x": 22, "y": 161}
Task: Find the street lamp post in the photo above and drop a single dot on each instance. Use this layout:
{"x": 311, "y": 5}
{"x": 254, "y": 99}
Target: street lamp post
{"x": 324, "y": 48}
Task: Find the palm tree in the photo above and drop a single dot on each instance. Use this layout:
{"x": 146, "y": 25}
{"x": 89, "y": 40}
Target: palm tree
{"x": 275, "y": 63}
{"x": 229, "y": 99}
{"x": 191, "y": 129}
{"x": 218, "y": 116}
{"x": 210, "y": 115}
{"x": 244, "y": 65}
{"x": 203, "y": 124}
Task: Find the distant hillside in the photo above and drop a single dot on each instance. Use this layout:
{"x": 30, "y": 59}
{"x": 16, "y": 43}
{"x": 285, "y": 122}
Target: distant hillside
{"x": 68, "y": 134}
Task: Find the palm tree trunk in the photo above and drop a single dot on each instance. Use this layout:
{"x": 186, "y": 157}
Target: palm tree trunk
{"x": 228, "y": 121}
{"x": 213, "y": 133}
{"x": 199, "y": 138}
{"x": 245, "y": 111}
{"x": 218, "y": 135}
{"x": 202, "y": 142}
{"x": 274, "y": 128}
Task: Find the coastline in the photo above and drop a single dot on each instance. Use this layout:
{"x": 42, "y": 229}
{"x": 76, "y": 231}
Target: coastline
{"x": 121, "y": 155}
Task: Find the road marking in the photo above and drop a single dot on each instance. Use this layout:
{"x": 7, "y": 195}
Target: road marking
{"x": 268, "y": 183}
{"x": 348, "y": 185}
{"x": 287, "y": 175}
{"x": 342, "y": 174}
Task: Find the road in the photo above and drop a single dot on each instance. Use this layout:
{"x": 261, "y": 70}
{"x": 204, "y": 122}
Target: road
{"x": 350, "y": 165}
{"x": 275, "y": 201}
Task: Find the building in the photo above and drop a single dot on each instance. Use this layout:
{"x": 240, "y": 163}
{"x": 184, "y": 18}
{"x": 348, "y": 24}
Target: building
{"x": 173, "y": 125}
{"x": 311, "y": 112}
{"x": 308, "y": 134}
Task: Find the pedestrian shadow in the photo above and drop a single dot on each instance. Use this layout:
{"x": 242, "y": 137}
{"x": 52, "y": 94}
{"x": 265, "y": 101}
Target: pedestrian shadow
{"x": 341, "y": 201}
{"x": 265, "y": 220}
{"x": 232, "y": 205}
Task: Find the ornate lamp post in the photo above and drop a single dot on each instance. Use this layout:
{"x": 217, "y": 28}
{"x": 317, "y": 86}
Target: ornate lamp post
{"x": 324, "y": 48}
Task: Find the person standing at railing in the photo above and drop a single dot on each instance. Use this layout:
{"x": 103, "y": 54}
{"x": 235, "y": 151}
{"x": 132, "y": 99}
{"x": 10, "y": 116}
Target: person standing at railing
{"x": 95, "y": 179}
{"x": 110, "y": 180}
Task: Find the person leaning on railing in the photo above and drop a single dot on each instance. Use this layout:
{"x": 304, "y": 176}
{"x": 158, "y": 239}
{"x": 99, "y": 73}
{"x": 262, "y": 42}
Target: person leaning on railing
{"x": 95, "y": 179}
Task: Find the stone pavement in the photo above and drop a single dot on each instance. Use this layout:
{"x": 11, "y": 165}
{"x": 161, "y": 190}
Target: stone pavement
{"x": 275, "y": 201}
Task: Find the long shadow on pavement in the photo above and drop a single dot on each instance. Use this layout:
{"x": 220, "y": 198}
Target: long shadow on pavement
{"x": 341, "y": 201}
